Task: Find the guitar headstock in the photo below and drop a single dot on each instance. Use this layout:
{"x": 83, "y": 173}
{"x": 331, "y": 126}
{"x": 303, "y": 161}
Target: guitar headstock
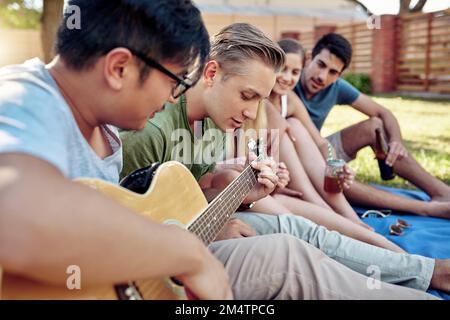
{"x": 259, "y": 148}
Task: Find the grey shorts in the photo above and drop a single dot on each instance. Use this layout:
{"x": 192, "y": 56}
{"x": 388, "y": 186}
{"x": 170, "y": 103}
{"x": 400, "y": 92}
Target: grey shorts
{"x": 336, "y": 141}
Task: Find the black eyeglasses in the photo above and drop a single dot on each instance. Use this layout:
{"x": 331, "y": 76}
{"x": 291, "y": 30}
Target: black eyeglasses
{"x": 182, "y": 84}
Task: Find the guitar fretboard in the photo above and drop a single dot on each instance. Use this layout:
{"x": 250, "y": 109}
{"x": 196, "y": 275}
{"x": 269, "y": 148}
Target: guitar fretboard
{"x": 216, "y": 215}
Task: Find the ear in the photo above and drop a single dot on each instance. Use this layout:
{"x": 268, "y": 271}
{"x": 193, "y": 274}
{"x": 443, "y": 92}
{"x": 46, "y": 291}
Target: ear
{"x": 210, "y": 72}
{"x": 118, "y": 65}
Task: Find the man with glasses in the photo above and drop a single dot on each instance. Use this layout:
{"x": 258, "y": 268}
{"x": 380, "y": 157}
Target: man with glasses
{"x": 58, "y": 122}
{"x": 182, "y": 84}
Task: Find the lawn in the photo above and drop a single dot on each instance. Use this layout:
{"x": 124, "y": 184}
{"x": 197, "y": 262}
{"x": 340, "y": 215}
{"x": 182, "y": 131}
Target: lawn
{"x": 425, "y": 126}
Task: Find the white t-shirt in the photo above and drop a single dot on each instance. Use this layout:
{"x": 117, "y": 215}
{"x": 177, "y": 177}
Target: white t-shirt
{"x": 36, "y": 120}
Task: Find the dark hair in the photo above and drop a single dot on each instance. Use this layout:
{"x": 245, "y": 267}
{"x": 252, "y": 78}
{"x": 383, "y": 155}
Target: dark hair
{"x": 292, "y": 46}
{"x": 166, "y": 30}
{"x": 337, "y": 45}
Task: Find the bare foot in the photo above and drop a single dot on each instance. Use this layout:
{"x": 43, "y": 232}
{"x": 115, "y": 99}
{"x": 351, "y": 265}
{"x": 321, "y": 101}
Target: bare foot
{"x": 438, "y": 209}
{"x": 441, "y": 275}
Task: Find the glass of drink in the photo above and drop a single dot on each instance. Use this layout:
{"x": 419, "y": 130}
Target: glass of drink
{"x": 333, "y": 169}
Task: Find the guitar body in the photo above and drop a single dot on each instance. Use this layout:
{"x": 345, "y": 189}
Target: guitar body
{"x": 174, "y": 197}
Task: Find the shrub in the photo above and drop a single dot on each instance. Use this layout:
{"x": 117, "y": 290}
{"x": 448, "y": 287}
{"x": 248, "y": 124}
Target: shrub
{"x": 360, "y": 81}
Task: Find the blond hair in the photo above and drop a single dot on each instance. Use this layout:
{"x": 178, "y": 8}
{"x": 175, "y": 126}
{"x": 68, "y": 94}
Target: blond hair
{"x": 237, "y": 43}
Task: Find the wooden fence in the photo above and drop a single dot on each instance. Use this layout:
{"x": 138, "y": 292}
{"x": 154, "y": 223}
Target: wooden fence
{"x": 421, "y": 50}
{"x": 361, "y": 39}
{"x": 419, "y": 46}
{"x": 424, "y": 52}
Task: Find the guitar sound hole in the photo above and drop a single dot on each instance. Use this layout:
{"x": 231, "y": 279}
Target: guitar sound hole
{"x": 140, "y": 180}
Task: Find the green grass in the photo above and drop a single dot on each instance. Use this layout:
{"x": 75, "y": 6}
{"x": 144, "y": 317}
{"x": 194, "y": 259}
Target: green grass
{"x": 425, "y": 126}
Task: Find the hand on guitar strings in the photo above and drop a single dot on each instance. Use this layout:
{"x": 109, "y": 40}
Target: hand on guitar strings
{"x": 267, "y": 178}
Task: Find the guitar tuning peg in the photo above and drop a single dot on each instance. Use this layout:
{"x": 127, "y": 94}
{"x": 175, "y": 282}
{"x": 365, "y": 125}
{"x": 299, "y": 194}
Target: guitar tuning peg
{"x": 252, "y": 145}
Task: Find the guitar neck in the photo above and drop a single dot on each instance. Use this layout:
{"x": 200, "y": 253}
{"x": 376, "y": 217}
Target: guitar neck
{"x": 208, "y": 225}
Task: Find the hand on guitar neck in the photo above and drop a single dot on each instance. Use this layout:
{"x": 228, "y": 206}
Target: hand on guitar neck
{"x": 227, "y": 171}
{"x": 267, "y": 178}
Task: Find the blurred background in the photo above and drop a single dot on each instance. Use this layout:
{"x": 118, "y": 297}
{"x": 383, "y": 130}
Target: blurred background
{"x": 401, "y": 56}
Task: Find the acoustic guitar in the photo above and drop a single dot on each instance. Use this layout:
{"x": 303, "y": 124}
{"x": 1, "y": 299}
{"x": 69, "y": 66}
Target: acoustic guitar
{"x": 165, "y": 193}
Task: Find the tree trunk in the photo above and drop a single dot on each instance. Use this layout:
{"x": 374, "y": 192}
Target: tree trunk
{"x": 419, "y": 6}
{"x": 405, "y": 6}
{"x": 51, "y": 18}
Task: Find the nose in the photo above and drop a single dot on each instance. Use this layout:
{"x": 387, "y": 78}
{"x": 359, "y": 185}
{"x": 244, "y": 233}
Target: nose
{"x": 323, "y": 75}
{"x": 251, "y": 112}
{"x": 285, "y": 76}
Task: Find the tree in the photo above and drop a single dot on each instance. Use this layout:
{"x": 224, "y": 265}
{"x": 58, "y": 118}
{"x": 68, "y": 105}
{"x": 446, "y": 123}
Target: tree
{"x": 26, "y": 14}
{"x": 51, "y": 18}
{"x": 405, "y": 6}
{"x": 19, "y": 14}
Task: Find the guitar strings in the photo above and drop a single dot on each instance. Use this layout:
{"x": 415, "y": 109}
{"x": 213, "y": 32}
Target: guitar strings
{"x": 202, "y": 227}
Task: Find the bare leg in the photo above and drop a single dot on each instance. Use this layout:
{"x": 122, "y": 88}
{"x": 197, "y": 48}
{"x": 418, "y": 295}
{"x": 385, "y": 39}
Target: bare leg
{"x": 441, "y": 275}
{"x": 299, "y": 178}
{"x": 365, "y": 195}
{"x": 314, "y": 164}
{"x": 281, "y": 204}
{"x": 362, "y": 134}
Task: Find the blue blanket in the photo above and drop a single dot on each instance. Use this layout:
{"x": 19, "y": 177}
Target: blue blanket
{"x": 427, "y": 236}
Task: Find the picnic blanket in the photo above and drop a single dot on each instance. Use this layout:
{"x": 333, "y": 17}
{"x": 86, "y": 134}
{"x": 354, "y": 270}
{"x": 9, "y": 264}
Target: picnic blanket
{"x": 427, "y": 236}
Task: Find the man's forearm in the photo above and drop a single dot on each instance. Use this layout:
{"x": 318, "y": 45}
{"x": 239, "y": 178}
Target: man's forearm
{"x": 391, "y": 126}
{"x": 371, "y": 108}
{"x": 44, "y": 228}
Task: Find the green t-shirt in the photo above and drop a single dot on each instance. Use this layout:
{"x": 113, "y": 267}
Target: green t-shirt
{"x": 168, "y": 137}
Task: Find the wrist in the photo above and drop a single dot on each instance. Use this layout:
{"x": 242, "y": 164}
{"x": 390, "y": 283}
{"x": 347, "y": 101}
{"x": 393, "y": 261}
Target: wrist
{"x": 395, "y": 138}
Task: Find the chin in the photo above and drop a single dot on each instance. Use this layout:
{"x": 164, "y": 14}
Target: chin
{"x": 143, "y": 125}
{"x": 136, "y": 126}
{"x": 224, "y": 127}
{"x": 280, "y": 91}
{"x": 227, "y": 128}
{"x": 311, "y": 89}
